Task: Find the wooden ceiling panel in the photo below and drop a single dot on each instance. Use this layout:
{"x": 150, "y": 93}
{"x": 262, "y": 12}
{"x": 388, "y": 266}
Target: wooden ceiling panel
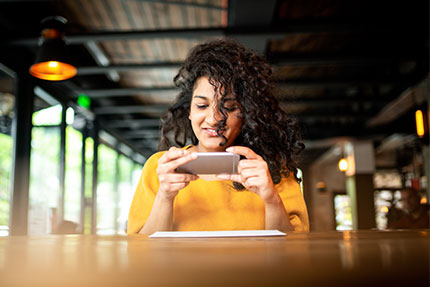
{"x": 309, "y": 42}
{"x": 157, "y": 98}
{"x": 148, "y": 78}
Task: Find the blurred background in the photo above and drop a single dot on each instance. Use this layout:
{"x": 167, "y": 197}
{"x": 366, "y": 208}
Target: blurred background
{"x": 354, "y": 73}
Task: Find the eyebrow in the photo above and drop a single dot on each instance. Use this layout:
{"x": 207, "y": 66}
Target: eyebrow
{"x": 200, "y": 97}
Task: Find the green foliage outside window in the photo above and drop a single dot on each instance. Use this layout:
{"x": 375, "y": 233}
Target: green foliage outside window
{"x": 5, "y": 168}
{"x": 106, "y": 190}
{"x": 44, "y": 178}
{"x": 89, "y": 157}
{"x": 72, "y": 201}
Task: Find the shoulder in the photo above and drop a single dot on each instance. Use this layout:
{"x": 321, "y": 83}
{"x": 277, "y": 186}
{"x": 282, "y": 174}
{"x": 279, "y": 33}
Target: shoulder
{"x": 289, "y": 184}
{"x": 289, "y": 179}
{"x": 152, "y": 162}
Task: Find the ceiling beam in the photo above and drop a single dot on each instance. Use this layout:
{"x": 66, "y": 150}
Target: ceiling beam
{"x": 132, "y": 123}
{"x": 278, "y": 61}
{"x": 136, "y": 109}
{"x": 93, "y": 70}
{"x": 203, "y": 33}
{"x": 345, "y": 60}
{"x": 317, "y": 102}
{"x": 121, "y": 139}
{"x": 101, "y": 59}
{"x": 362, "y": 58}
{"x": 104, "y": 93}
{"x": 338, "y": 83}
{"x": 144, "y": 134}
{"x": 281, "y": 85}
{"x": 332, "y": 118}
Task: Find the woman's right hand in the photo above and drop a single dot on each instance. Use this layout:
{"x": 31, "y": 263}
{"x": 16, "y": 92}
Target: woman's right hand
{"x": 170, "y": 181}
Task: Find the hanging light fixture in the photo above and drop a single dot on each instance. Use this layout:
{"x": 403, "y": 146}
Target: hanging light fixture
{"x": 52, "y": 60}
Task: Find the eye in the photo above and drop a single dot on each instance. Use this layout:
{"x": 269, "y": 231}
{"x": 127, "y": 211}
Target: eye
{"x": 201, "y": 106}
{"x": 231, "y": 107}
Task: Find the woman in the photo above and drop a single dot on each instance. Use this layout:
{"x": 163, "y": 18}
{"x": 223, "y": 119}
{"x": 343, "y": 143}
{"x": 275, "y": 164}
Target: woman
{"x": 225, "y": 104}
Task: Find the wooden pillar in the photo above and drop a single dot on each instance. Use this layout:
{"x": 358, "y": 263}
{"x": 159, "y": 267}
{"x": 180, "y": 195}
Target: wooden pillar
{"x": 359, "y": 183}
{"x": 20, "y": 173}
{"x": 95, "y": 136}
{"x": 62, "y": 176}
{"x": 83, "y": 174}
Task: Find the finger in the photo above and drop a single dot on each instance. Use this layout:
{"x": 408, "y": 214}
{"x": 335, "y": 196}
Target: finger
{"x": 232, "y": 177}
{"x": 251, "y": 172}
{"x": 246, "y": 163}
{"x": 172, "y": 154}
{"x": 170, "y": 166}
{"x": 174, "y": 164}
{"x": 178, "y": 177}
{"x": 245, "y": 151}
{"x": 252, "y": 182}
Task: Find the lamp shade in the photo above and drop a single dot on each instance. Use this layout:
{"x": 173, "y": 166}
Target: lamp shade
{"x": 52, "y": 60}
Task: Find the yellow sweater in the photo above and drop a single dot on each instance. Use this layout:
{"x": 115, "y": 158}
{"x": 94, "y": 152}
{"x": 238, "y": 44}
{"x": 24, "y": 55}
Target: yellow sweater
{"x": 213, "y": 205}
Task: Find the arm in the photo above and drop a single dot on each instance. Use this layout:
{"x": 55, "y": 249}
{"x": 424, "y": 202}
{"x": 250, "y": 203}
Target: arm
{"x": 170, "y": 182}
{"x": 161, "y": 216}
{"x": 254, "y": 175}
{"x": 276, "y": 215}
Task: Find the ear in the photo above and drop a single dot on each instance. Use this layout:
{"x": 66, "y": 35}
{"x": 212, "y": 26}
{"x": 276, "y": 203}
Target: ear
{"x": 189, "y": 116}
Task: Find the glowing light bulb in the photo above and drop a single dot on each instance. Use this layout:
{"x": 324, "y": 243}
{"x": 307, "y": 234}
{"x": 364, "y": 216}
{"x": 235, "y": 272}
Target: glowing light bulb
{"x": 384, "y": 209}
{"x": 419, "y": 120}
{"x": 343, "y": 165}
{"x": 53, "y": 64}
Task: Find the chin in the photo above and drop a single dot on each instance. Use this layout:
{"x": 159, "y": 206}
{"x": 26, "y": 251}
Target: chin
{"x": 213, "y": 146}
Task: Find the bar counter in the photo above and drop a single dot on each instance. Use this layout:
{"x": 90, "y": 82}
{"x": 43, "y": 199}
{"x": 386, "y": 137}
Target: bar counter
{"x": 349, "y": 258}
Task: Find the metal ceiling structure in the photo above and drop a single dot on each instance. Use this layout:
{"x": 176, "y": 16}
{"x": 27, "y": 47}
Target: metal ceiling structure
{"x": 337, "y": 64}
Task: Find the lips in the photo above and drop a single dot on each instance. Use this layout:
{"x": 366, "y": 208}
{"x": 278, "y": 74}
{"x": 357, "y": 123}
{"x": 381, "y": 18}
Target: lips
{"x": 211, "y": 132}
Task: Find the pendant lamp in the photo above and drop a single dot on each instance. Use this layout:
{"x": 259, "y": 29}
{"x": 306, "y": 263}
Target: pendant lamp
{"x": 52, "y": 60}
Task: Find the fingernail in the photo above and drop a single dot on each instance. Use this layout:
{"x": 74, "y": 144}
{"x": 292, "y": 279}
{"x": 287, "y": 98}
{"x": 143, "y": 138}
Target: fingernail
{"x": 193, "y": 155}
{"x": 228, "y": 149}
{"x": 223, "y": 176}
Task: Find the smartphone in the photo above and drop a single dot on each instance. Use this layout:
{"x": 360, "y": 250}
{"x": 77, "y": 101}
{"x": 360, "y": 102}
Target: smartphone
{"x": 211, "y": 163}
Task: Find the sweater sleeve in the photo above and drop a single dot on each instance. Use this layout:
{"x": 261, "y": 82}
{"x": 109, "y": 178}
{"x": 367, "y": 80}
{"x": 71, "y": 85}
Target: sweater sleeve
{"x": 144, "y": 196}
{"x": 294, "y": 203}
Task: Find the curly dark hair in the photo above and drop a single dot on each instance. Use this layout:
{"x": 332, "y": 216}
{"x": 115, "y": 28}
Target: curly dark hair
{"x": 234, "y": 70}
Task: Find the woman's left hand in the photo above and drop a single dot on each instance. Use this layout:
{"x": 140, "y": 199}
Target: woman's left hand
{"x": 253, "y": 174}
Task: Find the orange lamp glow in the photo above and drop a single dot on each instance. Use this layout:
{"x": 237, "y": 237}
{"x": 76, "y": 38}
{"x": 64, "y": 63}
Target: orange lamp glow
{"x": 419, "y": 121}
{"x": 53, "y": 71}
{"x": 343, "y": 165}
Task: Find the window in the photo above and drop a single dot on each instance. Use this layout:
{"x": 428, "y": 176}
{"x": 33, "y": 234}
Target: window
{"x": 129, "y": 176}
{"x": 106, "y": 197}
{"x": 72, "y": 197}
{"x": 7, "y": 102}
{"x": 343, "y": 214}
{"x": 44, "y": 169}
{"x": 5, "y": 168}
{"x": 117, "y": 180}
{"x": 89, "y": 157}
{"x": 386, "y": 196}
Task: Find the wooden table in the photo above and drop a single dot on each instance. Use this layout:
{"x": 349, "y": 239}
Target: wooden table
{"x": 350, "y": 258}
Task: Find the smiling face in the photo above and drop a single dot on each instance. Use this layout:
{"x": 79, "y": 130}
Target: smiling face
{"x": 204, "y": 116}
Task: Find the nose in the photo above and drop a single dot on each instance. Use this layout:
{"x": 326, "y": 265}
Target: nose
{"x": 213, "y": 116}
